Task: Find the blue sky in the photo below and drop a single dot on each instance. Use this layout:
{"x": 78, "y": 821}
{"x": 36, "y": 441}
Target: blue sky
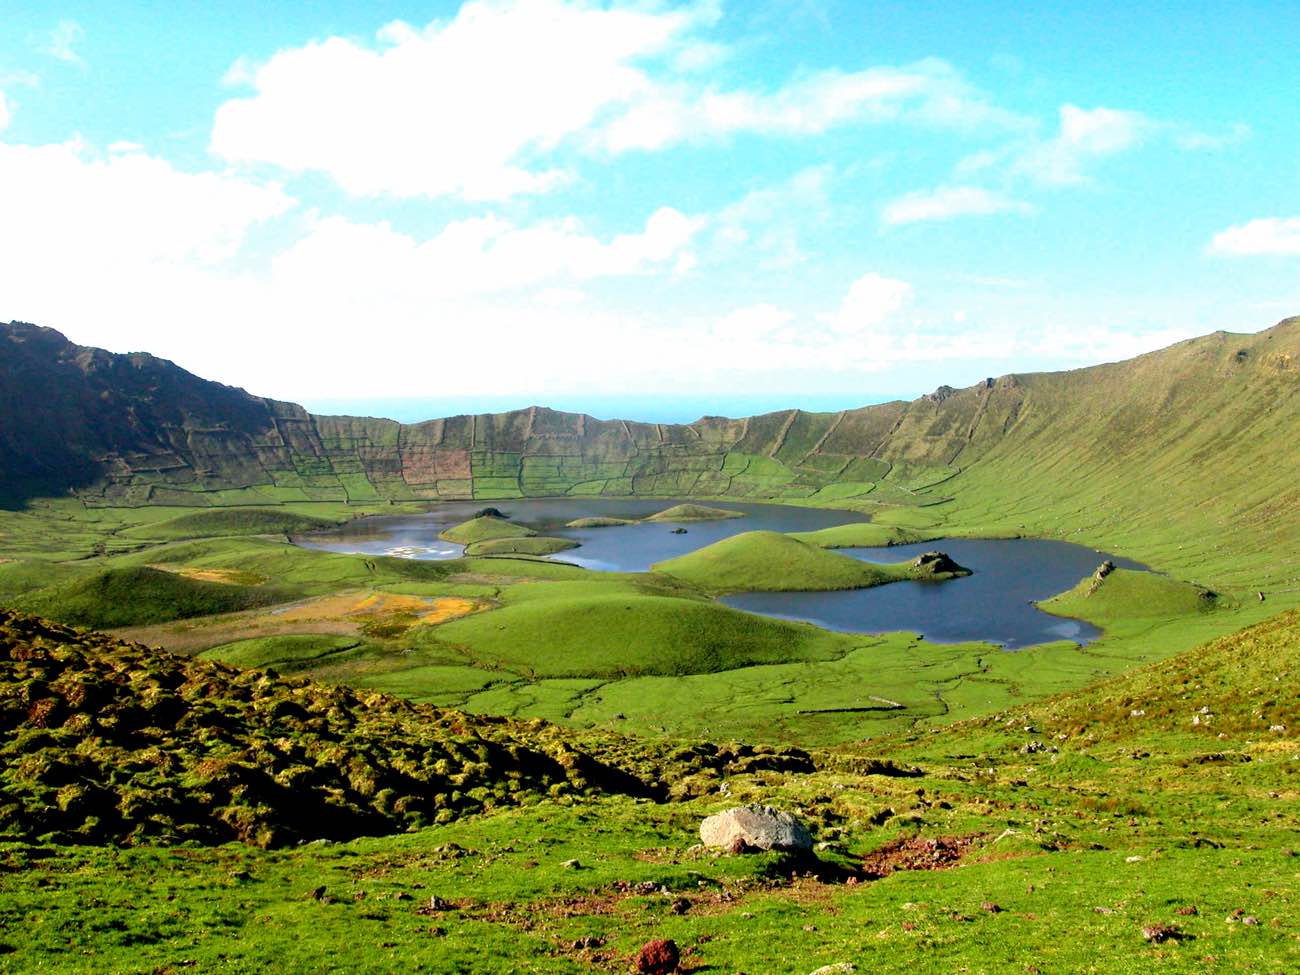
{"x": 711, "y": 203}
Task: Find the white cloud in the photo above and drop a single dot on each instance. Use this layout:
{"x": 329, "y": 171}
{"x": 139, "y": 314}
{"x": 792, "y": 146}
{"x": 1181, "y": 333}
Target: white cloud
{"x": 947, "y": 202}
{"x": 871, "y": 300}
{"x": 81, "y": 211}
{"x": 752, "y": 323}
{"x": 462, "y": 107}
{"x": 478, "y": 256}
{"x": 4, "y": 112}
{"x": 61, "y": 40}
{"x": 477, "y": 106}
{"x": 764, "y": 225}
{"x": 1084, "y": 135}
{"x": 928, "y": 92}
{"x": 1265, "y": 236}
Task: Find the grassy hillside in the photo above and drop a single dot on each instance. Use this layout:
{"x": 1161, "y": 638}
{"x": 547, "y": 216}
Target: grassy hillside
{"x": 140, "y": 596}
{"x": 1124, "y": 595}
{"x": 1056, "y": 837}
{"x": 484, "y": 528}
{"x": 530, "y": 545}
{"x": 694, "y": 512}
{"x": 596, "y": 631}
{"x": 239, "y": 521}
{"x": 773, "y": 562}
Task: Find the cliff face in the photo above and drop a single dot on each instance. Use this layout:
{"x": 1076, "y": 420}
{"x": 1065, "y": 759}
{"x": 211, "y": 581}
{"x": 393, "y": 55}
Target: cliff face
{"x": 134, "y": 429}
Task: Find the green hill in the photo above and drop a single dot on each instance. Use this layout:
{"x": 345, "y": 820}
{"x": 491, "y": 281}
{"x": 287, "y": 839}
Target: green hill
{"x": 483, "y": 529}
{"x": 142, "y": 596}
{"x": 1124, "y": 594}
{"x": 693, "y": 512}
{"x": 587, "y": 632}
{"x": 527, "y": 545}
{"x": 238, "y": 521}
{"x": 772, "y": 562}
{"x": 599, "y": 522}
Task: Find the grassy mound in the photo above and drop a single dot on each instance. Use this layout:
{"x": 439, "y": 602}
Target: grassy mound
{"x": 283, "y": 653}
{"x": 591, "y": 634}
{"x": 694, "y": 512}
{"x": 1125, "y": 594}
{"x": 239, "y": 521}
{"x": 859, "y": 535}
{"x": 531, "y": 545}
{"x": 600, "y": 522}
{"x": 772, "y": 562}
{"x": 113, "y": 741}
{"x": 484, "y": 528}
{"x": 141, "y": 596}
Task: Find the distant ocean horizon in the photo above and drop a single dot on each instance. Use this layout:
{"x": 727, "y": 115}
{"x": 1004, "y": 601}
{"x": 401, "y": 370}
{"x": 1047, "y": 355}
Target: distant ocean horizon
{"x": 649, "y": 409}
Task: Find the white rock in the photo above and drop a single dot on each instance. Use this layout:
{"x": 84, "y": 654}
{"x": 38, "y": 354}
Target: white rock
{"x": 763, "y": 827}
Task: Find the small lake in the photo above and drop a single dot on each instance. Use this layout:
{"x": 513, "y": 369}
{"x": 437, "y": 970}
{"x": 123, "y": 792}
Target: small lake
{"x": 994, "y": 604}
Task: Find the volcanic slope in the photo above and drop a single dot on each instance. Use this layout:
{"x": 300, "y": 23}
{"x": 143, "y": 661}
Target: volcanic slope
{"x": 1185, "y": 456}
{"x": 113, "y": 741}
{"x": 1145, "y": 823}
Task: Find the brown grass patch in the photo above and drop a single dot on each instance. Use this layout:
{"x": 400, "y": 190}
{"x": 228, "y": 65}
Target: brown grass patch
{"x": 229, "y": 577}
{"x": 340, "y": 614}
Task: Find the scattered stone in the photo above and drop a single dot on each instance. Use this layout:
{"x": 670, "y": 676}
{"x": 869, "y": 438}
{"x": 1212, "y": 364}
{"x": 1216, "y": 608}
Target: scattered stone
{"x": 572, "y": 865}
{"x": 1160, "y": 933}
{"x": 316, "y": 894}
{"x": 991, "y": 907}
{"x": 758, "y": 826}
{"x": 658, "y": 957}
{"x": 1134, "y": 859}
{"x": 434, "y": 905}
{"x": 1187, "y": 911}
{"x": 1250, "y": 919}
{"x": 680, "y": 906}
{"x": 587, "y": 942}
{"x": 1103, "y": 910}
{"x": 839, "y": 968}
{"x": 916, "y": 853}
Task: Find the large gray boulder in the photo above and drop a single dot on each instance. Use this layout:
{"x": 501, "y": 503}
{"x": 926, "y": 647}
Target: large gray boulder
{"x": 755, "y": 826}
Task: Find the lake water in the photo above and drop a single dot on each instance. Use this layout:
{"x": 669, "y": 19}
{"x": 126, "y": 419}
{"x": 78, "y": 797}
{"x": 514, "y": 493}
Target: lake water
{"x": 994, "y": 604}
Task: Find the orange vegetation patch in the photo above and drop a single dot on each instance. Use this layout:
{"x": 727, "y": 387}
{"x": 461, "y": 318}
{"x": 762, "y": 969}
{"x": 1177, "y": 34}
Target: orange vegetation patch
{"x": 229, "y": 577}
{"x": 371, "y": 605}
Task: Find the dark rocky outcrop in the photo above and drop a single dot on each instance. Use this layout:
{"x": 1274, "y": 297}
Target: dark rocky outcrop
{"x": 937, "y": 565}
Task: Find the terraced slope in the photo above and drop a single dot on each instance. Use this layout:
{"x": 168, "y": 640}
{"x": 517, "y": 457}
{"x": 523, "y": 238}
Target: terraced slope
{"x": 1200, "y": 438}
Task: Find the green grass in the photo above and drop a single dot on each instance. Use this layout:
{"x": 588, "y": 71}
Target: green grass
{"x": 484, "y": 528}
{"x": 693, "y": 512}
{"x": 1125, "y": 595}
{"x": 1128, "y": 822}
{"x": 772, "y": 562}
{"x": 860, "y": 535}
{"x": 532, "y": 545}
{"x": 600, "y": 522}
{"x": 142, "y": 596}
{"x": 283, "y": 653}
{"x": 238, "y": 521}
{"x": 582, "y": 631}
